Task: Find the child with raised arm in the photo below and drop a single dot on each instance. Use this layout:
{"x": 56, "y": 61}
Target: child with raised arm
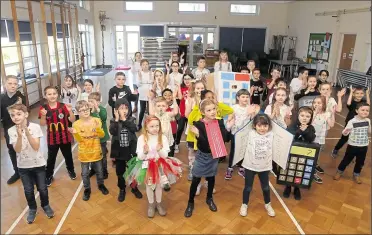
{"x": 123, "y": 145}
{"x": 9, "y": 97}
{"x": 88, "y": 88}
{"x": 358, "y": 130}
{"x": 205, "y": 164}
{"x": 98, "y": 111}
{"x": 70, "y": 93}
{"x": 356, "y": 97}
{"x": 87, "y": 132}
{"x": 56, "y": 117}
{"x": 25, "y": 138}
{"x": 145, "y": 81}
{"x": 258, "y": 161}
{"x": 310, "y": 89}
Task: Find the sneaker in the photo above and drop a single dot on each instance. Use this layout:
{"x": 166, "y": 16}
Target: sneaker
{"x": 31, "y": 216}
{"x": 103, "y": 189}
{"x": 334, "y": 153}
{"x": 13, "y": 178}
{"x": 297, "y": 193}
{"x": 269, "y": 209}
{"x": 228, "y": 174}
{"x": 121, "y": 196}
{"x": 244, "y": 210}
{"x": 86, "y": 194}
{"x": 212, "y": 206}
{"x": 151, "y": 210}
{"x": 357, "y": 179}
{"x": 319, "y": 169}
{"x": 206, "y": 186}
{"x": 318, "y": 179}
{"x": 137, "y": 193}
{"x": 287, "y": 191}
{"x": 160, "y": 209}
{"x": 176, "y": 148}
{"x": 241, "y": 172}
{"x": 198, "y": 189}
{"x": 48, "y": 211}
{"x": 49, "y": 181}
{"x": 72, "y": 174}
{"x": 337, "y": 176}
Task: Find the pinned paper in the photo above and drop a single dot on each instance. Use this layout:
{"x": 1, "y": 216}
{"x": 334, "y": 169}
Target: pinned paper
{"x": 344, "y": 56}
{"x": 350, "y": 56}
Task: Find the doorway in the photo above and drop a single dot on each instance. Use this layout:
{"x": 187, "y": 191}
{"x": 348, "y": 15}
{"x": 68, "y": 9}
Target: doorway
{"x": 347, "y": 51}
{"x": 127, "y": 41}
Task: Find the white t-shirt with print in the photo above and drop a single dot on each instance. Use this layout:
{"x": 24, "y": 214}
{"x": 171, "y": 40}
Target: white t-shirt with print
{"x": 175, "y": 79}
{"x": 284, "y": 109}
{"x": 144, "y": 85}
{"x": 296, "y": 85}
{"x": 360, "y": 128}
{"x": 198, "y": 74}
{"x": 321, "y": 126}
{"x": 240, "y": 116}
{"x": 331, "y": 104}
{"x": 28, "y": 157}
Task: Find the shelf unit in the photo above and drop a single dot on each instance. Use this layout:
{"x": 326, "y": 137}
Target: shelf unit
{"x": 158, "y": 50}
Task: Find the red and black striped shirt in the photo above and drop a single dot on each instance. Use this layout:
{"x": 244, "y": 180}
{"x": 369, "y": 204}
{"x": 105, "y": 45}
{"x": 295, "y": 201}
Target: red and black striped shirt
{"x": 57, "y": 124}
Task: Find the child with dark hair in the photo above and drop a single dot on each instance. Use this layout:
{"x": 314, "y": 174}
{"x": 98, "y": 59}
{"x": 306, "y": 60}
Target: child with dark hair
{"x": 120, "y": 91}
{"x": 310, "y": 89}
{"x": 257, "y": 87}
{"x": 358, "y": 130}
{"x": 356, "y": 97}
{"x": 201, "y": 73}
{"x": 258, "y": 161}
{"x": 322, "y": 77}
{"x": 303, "y": 131}
{"x": 88, "y": 88}
{"x": 124, "y": 143}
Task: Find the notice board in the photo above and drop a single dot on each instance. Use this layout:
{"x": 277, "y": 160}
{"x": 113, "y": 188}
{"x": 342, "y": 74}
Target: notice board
{"x": 319, "y": 46}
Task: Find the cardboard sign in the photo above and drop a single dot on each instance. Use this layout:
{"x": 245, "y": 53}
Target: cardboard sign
{"x": 306, "y": 101}
{"x": 281, "y": 144}
{"x": 229, "y": 83}
{"x": 302, "y": 162}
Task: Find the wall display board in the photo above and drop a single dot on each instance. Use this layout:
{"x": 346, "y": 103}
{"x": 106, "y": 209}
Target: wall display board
{"x": 319, "y": 46}
{"x": 228, "y": 84}
{"x": 281, "y": 144}
{"x": 302, "y": 161}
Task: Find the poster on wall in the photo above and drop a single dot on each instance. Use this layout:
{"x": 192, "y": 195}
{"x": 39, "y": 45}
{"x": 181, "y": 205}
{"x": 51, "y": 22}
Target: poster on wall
{"x": 319, "y": 46}
{"x": 302, "y": 161}
{"x": 229, "y": 83}
{"x": 281, "y": 144}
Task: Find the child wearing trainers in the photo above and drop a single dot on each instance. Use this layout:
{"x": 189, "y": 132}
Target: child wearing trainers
{"x": 258, "y": 160}
{"x": 172, "y": 103}
{"x": 206, "y": 161}
{"x": 323, "y": 120}
{"x": 87, "y": 132}
{"x": 243, "y": 113}
{"x": 98, "y": 111}
{"x": 200, "y": 72}
{"x": 124, "y": 143}
{"x": 121, "y": 91}
{"x": 358, "y": 129}
{"x": 303, "y": 131}
{"x": 256, "y": 87}
{"x": 152, "y": 167}
{"x": 355, "y": 97}
{"x": 25, "y": 138}
{"x": 56, "y": 117}
{"x": 9, "y": 97}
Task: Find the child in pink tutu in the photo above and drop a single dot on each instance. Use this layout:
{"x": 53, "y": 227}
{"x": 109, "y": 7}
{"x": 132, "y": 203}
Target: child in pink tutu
{"x": 152, "y": 166}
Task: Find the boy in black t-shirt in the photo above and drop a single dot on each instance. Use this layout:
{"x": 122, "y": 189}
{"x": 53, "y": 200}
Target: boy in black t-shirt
{"x": 256, "y": 87}
{"x": 355, "y": 97}
{"x": 8, "y": 98}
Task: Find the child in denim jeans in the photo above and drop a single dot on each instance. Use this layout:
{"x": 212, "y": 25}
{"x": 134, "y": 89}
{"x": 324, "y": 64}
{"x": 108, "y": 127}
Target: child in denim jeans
{"x": 87, "y": 132}
{"x": 25, "y": 138}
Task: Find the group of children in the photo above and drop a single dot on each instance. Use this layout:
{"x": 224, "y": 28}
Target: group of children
{"x": 176, "y": 102}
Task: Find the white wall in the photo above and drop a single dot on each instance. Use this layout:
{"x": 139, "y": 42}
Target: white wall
{"x": 302, "y": 21}
{"x": 273, "y": 16}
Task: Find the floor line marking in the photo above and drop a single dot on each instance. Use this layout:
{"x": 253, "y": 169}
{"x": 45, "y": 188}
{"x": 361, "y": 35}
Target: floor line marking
{"x": 340, "y": 124}
{"x": 61, "y": 222}
{"x": 340, "y": 115}
{"x": 298, "y": 226}
{"x": 15, "y": 223}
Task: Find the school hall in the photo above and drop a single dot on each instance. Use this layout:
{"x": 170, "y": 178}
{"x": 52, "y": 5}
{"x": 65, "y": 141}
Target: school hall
{"x": 185, "y": 117}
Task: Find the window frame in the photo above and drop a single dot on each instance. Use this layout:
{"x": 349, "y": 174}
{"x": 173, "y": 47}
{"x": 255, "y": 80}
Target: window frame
{"x": 245, "y": 4}
{"x": 193, "y": 12}
{"x": 134, "y": 11}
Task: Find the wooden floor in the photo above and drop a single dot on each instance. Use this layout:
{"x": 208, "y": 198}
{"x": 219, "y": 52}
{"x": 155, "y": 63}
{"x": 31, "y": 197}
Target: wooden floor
{"x": 336, "y": 207}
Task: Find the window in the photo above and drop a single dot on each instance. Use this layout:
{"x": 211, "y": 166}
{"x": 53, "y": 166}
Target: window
{"x": 191, "y": 7}
{"x": 138, "y": 6}
{"x": 132, "y": 28}
{"x": 244, "y": 9}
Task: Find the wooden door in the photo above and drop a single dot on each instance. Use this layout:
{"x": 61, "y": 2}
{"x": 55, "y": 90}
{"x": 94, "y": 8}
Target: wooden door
{"x": 347, "y": 52}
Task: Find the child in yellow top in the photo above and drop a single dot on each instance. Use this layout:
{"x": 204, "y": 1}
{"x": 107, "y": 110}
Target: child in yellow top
{"x": 87, "y": 132}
